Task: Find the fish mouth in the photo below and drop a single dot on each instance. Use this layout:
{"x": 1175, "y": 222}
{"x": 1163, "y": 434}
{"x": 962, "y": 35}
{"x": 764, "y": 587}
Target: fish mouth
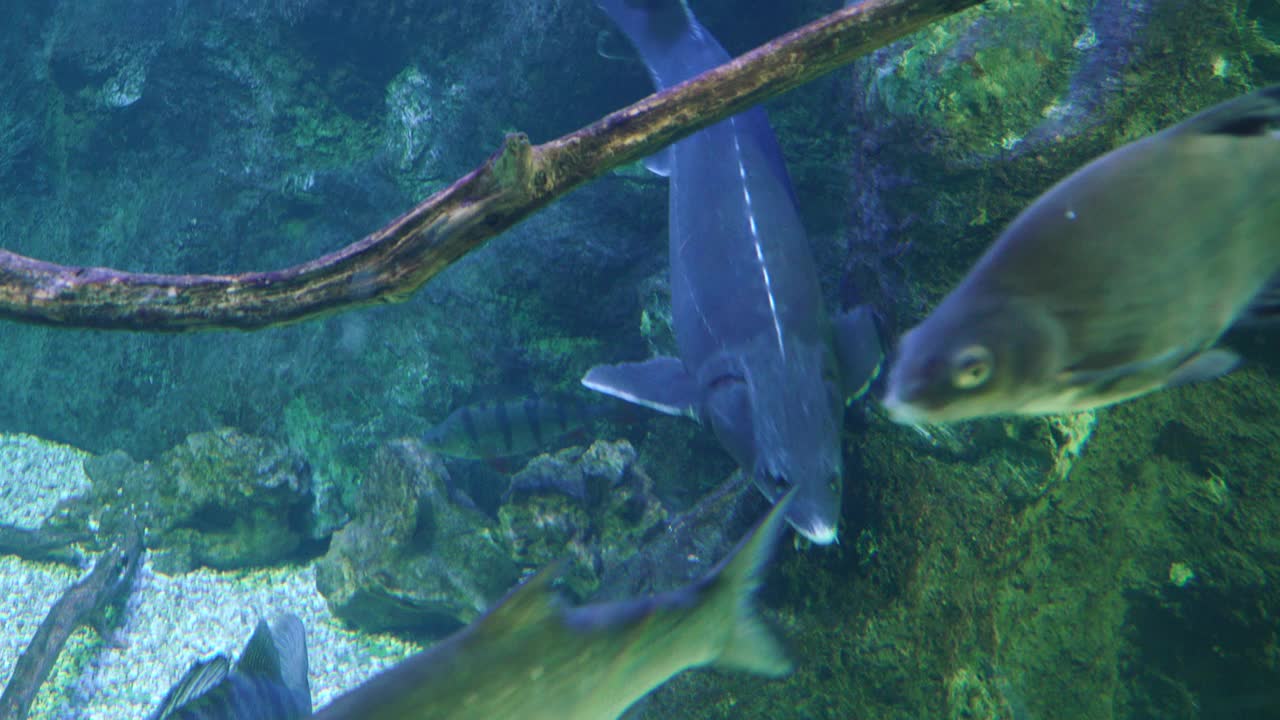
{"x": 903, "y": 413}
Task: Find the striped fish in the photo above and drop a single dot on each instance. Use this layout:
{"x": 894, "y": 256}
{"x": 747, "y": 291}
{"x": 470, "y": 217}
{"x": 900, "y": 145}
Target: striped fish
{"x": 269, "y": 682}
{"x": 514, "y": 427}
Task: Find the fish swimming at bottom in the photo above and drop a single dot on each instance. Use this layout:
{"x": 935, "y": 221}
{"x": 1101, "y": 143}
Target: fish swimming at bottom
{"x": 268, "y": 682}
{"x": 532, "y": 659}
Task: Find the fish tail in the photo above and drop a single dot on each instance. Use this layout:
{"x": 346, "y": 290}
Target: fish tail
{"x": 752, "y": 645}
{"x": 670, "y": 40}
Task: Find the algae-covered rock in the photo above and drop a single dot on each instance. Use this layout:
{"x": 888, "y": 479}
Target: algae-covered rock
{"x": 592, "y": 507}
{"x": 416, "y": 557}
{"x": 686, "y": 546}
{"x": 222, "y": 499}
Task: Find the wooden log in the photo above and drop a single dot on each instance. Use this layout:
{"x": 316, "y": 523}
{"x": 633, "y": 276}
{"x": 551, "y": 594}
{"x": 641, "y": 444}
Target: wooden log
{"x": 111, "y": 579}
{"x": 395, "y": 261}
{"x": 44, "y": 544}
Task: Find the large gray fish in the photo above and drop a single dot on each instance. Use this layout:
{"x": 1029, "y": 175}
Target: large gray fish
{"x": 530, "y": 658}
{"x": 1116, "y": 282}
{"x": 269, "y": 682}
{"x": 514, "y": 427}
{"x": 760, "y": 360}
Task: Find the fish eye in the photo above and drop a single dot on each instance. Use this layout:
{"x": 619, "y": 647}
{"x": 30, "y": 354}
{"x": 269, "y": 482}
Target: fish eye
{"x": 971, "y": 367}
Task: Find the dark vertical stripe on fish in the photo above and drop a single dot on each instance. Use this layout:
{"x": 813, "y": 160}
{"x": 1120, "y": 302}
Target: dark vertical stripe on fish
{"x": 469, "y": 426}
{"x": 504, "y": 423}
{"x": 532, "y": 413}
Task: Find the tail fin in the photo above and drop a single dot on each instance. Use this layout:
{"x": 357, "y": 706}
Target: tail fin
{"x": 752, "y": 646}
{"x": 670, "y": 40}
{"x": 290, "y": 639}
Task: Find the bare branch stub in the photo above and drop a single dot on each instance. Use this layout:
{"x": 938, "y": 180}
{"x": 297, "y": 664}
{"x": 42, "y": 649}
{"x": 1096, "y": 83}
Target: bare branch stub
{"x": 392, "y": 263}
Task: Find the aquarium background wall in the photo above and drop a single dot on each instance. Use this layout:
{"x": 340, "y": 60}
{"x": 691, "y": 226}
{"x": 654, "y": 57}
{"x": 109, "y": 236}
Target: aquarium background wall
{"x": 1120, "y": 564}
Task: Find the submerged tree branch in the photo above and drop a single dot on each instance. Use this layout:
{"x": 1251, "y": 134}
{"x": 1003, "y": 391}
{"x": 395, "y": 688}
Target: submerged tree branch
{"x": 110, "y": 581}
{"x": 393, "y": 262}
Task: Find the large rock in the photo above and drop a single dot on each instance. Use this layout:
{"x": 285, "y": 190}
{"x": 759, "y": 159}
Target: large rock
{"x": 418, "y": 557}
{"x": 593, "y": 508}
{"x": 222, "y": 499}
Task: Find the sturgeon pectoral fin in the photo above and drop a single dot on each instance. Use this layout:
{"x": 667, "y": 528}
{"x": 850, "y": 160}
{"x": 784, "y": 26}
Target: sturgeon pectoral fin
{"x": 661, "y": 384}
{"x": 859, "y": 350}
{"x": 660, "y": 162}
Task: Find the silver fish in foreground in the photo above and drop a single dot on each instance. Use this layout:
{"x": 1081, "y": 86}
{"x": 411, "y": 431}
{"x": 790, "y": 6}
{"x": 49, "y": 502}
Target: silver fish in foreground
{"x": 530, "y": 658}
{"x": 269, "y": 682}
{"x": 1116, "y": 282}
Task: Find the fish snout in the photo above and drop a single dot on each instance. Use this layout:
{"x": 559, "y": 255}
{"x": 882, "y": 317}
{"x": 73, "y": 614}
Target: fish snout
{"x": 816, "y": 515}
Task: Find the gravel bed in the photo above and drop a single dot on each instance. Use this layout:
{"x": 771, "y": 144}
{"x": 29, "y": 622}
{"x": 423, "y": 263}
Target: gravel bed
{"x": 35, "y": 475}
{"x": 171, "y": 620}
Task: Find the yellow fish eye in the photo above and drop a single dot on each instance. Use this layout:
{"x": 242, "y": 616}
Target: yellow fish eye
{"x": 971, "y": 367}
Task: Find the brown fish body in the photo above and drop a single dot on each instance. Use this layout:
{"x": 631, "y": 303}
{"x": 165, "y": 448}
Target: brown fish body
{"x": 1112, "y": 284}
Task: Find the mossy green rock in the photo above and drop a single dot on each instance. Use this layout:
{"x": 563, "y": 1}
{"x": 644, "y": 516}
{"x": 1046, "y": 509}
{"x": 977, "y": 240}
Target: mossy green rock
{"x": 591, "y": 507}
{"x": 416, "y": 557}
{"x": 222, "y": 499}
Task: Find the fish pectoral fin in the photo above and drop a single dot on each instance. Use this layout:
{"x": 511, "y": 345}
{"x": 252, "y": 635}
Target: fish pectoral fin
{"x": 1168, "y": 369}
{"x": 1204, "y": 366}
{"x": 1254, "y": 115}
{"x": 661, "y": 384}
{"x": 660, "y": 162}
{"x": 200, "y": 679}
{"x": 859, "y": 349}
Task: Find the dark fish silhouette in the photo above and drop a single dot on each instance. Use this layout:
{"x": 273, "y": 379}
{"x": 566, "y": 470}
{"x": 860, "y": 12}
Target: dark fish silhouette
{"x": 1116, "y": 282}
{"x": 269, "y": 682}
{"x": 530, "y": 658}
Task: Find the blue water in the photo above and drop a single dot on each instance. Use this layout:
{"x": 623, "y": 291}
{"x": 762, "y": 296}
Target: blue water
{"x": 1120, "y": 566}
